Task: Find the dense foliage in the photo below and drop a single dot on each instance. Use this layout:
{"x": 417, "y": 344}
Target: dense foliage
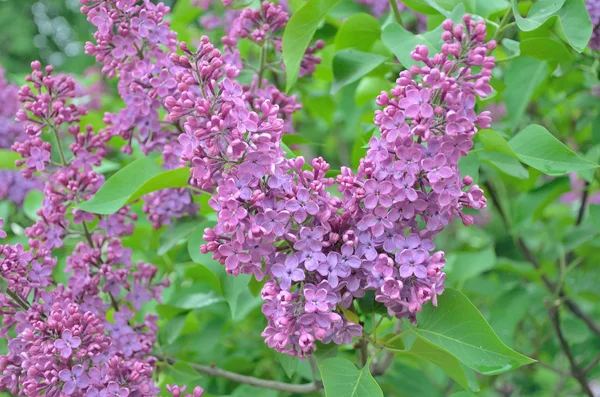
{"x": 323, "y": 197}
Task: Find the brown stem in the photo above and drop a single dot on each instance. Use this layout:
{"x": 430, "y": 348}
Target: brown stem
{"x": 251, "y": 380}
{"x": 576, "y": 371}
{"x": 522, "y": 246}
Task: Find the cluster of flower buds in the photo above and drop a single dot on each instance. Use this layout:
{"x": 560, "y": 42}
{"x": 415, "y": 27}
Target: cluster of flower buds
{"x": 277, "y": 219}
{"x": 60, "y": 339}
{"x": 132, "y": 42}
{"x": 264, "y": 26}
{"x": 13, "y": 185}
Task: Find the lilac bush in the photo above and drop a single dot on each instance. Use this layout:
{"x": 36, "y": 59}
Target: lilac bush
{"x": 334, "y": 255}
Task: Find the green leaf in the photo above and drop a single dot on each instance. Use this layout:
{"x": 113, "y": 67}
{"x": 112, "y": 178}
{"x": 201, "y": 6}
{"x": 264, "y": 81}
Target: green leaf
{"x": 350, "y": 65}
{"x": 295, "y": 139}
{"x": 32, "y": 203}
{"x": 523, "y": 76}
{"x": 493, "y": 142}
{"x": 359, "y": 31}
{"x": 445, "y": 7}
{"x": 8, "y": 158}
{"x": 138, "y": 178}
{"x": 506, "y": 164}
{"x": 369, "y": 88}
{"x": 428, "y": 351}
{"x": 342, "y": 379}
{"x": 486, "y": 8}
{"x": 569, "y": 19}
{"x": 469, "y": 165}
{"x": 176, "y": 232}
{"x": 368, "y": 304}
{"x": 538, "y": 148}
{"x": 401, "y": 42}
{"x": 462, "y": 266}
{"x": 545, "y": 49}
{"x": 298, "y": 33}
{"x": 191, "y": 299}
{"x": 458, "y": 327}
{"x": 288, "y": 363}
{"x": 420, "y": 6}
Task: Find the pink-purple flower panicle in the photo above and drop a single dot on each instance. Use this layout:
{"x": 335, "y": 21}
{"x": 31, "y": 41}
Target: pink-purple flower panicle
{"x": 277, "y": 219}
{"x": 60, "y": 339}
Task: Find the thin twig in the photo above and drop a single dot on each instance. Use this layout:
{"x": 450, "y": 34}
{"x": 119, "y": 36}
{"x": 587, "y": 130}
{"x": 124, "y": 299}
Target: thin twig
{"x": 576, "y": 371}
{"x": 251, "y": 380}
{"x": 592, "y": 364}
{"x": 522, "y": 246}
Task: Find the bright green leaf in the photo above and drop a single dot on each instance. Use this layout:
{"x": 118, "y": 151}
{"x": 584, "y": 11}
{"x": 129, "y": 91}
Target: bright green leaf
{"x": 359, "y": 31}
{"x": 401, "y": 42}
{"x": 298, "y": 33}
{"x": 288, "y": 363}
{"x": 469, "y": 165}
{"x": 420, "y": 6}
{"x": 506, "y": 164}
{"x": 176, "y": 231}
{"x": 570, "y": 20}
{"x": 185, "y": 299}
{"x": 342, "y": 379}
{"x": 545, "y": 49}
{"x": 457, "y": 326}
{"x": 486, "y": 8}
{"x": 428, "y": 351}
{"x": 295, "y": 139}
{"x": 523, "y": 76}
{"x": 32, "y": 203}
{"x": 369, "y": 88}
{"x": 466, "y": 265}
{"x": 138, "y": 178}
{"x": 539, "y": 149}
{"x": 350, "y": 65}
{"x": 8, "y": 158}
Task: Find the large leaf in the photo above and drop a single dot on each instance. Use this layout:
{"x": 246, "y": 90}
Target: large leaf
{"x": 462, "y": 266}
{"x": 342, "y": 379}
{"x": 457, "y": 326}
{"x": 545, "y": 49}
{"x": 350, "y": 65}
{"x": 8, "y": 158}
{"x": 402, "y": 42}
{"x": 298, "y": 33}
{"x": 141, "y": 177}
{"x": 569, "y": 19}
{"x": 537, "y": 147}
{"x": 428, "y": 351}
{"x": 359, "y": 31}
{"x": 523, "y": 76}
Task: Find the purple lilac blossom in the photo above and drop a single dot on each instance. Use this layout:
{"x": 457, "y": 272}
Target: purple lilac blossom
{"x": 13, "y": 186}
{"x": 61, "y": 342}
{"x": 593, "y": 7}
{"x": 378, "y": 235}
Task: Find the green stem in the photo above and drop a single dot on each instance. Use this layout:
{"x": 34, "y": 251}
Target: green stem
{"x": 396, "y": 12}
{"x": 503, "y": 24}
{"x": 59, "y": 145}
{"x": 263, "y": 62}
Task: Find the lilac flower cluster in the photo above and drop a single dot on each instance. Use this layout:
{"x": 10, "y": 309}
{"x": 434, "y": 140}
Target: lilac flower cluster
{"x": 277, "y": 219}
{"x": 409, "y": 187}
{"x": 13, "y": 186}
{"x": 264, "y": 27}
{"x": 60, "y": 339}
{"x": 593, "y": 8}
{"x": 132, "y": 42}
